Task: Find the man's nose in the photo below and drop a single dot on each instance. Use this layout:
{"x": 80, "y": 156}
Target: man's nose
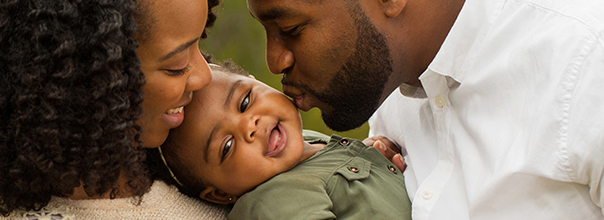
{"x": 278, "y": 57}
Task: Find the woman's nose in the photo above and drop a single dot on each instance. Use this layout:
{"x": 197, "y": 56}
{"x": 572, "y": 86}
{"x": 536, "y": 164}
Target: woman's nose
{"x": 200, "y": 74}
{"x": 279, "y": 58}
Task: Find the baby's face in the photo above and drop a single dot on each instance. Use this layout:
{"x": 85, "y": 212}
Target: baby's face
{"x": 238, "y": 132}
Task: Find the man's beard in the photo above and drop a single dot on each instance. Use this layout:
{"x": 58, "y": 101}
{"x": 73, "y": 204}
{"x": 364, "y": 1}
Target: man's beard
{"x": 355, "y": 91}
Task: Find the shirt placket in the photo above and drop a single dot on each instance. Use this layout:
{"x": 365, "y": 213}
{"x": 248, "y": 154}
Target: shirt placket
{"x": 431, "y": 188}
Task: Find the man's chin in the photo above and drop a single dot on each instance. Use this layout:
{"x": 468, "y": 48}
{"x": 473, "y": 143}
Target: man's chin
{"x": 343, "y": 122}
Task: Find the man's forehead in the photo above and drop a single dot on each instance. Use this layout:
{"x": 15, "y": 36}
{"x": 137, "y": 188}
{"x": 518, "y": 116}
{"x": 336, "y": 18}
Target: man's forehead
{"x": 275, "y": 13}
{"x": 267, "y": 10}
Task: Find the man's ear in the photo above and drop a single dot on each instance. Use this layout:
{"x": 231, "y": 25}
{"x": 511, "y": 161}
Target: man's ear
{"x": 214, "y": 195}
{"x": 393, "y": 8}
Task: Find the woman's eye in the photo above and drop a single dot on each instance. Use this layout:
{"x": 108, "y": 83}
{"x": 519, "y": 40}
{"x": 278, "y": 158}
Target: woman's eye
{"x": 179, "y": 72}
{"x": 244, "y": 103}
{"x": 226, "y": 148}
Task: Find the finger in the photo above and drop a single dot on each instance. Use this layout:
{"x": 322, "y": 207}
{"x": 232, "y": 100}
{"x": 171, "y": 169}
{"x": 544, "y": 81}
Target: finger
{"x": 399, "y": 162}
{"x": 378, "y": 145}
{"x": 369, "y": 141}
{"x": 387, "y": 152}
{"x": 390, "y": 145}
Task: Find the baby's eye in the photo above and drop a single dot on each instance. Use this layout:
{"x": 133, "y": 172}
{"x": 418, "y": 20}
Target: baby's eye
{"x": 244, "y": 103}
{"x": 226, "y": 148}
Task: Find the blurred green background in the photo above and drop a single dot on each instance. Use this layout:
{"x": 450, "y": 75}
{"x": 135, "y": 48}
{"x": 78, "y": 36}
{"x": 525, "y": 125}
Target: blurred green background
{"x": 237, "y": 36}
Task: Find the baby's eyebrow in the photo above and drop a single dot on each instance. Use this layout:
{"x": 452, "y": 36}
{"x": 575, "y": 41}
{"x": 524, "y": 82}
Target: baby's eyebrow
{"x": 207, "y": 150}
{"x": 226, "y": 102}
{"x": 233, "y": 88}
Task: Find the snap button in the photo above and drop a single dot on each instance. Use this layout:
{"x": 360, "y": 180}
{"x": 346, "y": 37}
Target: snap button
{"x": 344, "y": 142}
{"x": 392, "y": 168}
{"x": 440, "y": 101}
{"x": 427, "y": 194}
{"x": 353, "y": 169}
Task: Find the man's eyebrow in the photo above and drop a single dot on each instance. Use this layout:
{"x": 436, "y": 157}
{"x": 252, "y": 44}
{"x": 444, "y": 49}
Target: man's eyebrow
{"x": 178, "y": 50}
{"x": 231, "y": 91}
{"x": 276, "y": 13}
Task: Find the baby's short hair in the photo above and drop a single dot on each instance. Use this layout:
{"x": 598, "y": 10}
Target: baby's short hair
{"x": 228, "y": 66}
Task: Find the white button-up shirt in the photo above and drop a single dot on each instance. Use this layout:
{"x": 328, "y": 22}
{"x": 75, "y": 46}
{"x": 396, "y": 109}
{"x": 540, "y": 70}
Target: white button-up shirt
{"x": 513, "y": 123}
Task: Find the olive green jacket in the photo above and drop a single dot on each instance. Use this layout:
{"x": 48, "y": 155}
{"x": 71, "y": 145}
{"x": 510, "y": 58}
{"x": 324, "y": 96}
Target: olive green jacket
{"x": 344, "y": 180}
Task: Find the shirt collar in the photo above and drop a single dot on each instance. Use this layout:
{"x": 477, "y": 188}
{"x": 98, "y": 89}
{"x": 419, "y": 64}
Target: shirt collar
{"x": 454, "y": 55}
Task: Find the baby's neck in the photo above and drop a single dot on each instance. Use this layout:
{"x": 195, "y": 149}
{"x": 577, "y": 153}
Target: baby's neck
{"x": 310, "y": 149}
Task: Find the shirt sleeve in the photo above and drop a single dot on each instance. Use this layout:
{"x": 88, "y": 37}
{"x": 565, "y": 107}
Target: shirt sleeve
{"x": 582, "y": 129}
{"x": 285, "y": 197}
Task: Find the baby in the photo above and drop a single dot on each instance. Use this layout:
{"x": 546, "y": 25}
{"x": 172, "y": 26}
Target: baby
{"x": 242, "y": 142}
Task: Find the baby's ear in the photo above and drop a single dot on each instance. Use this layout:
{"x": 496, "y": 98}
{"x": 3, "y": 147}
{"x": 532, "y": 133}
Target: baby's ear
{"x": 214, "y": 195}
{"x": 252, "y": 76}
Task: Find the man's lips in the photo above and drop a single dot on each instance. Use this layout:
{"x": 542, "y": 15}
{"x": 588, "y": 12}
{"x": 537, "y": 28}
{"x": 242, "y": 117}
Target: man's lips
{"x": 299, "y": 102}
{"x": 277, "y": 140}
{"x": 300, "y": 99}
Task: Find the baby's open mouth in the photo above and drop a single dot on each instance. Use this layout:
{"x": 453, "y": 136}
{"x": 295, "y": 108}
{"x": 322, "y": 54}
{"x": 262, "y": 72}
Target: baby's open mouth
{"x": 276, "y": 140}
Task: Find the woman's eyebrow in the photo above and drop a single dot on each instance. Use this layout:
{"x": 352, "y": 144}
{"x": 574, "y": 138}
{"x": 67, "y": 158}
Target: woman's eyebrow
{"x": 179, "y": 49}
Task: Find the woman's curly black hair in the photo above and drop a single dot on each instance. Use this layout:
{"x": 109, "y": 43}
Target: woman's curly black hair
{"x": 70, "y": 89}
{"x": 70, "y": 92}
{"x": 211, "y": 16}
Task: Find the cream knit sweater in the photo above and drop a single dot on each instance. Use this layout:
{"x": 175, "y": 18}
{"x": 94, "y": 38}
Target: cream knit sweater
{"x": 161, "y": 202}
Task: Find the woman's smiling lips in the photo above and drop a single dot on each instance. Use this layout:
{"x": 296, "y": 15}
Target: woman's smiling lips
{"x": 174, "y": 117}
{"x": 277, "y": 140}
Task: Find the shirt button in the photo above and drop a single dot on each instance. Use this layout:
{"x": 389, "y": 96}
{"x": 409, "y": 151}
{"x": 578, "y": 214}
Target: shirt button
{"x": 353, "y": 169}
{"x": 440, "y": 101}
{"x": 392, "y": 169}
{"x": 344, "y": 142}
{"x": 427, "y": 194}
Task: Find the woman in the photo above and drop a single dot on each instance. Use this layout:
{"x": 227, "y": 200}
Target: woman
{"x": 76, "y": 110}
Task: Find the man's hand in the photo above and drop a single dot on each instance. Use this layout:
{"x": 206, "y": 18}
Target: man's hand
{"x": 388, "y": 149}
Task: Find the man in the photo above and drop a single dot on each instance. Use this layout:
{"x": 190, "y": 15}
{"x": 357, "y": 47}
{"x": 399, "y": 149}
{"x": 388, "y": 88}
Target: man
{"x": 498, "y": 103}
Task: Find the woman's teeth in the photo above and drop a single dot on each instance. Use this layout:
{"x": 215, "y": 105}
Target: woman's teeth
{"x": 175, "y": 110}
